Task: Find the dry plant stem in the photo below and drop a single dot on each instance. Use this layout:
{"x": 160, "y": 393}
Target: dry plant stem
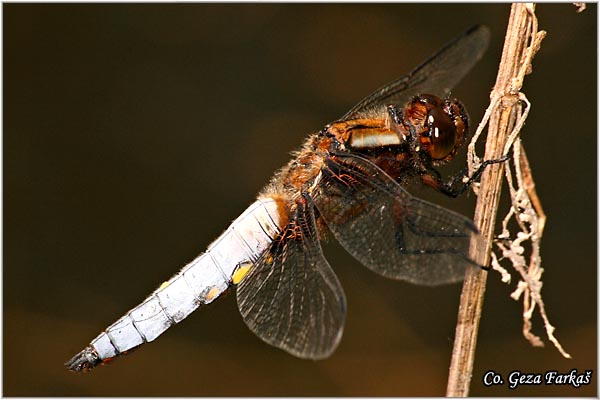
{"x": 502, "y": 120}
{"x": 530, "y": 187}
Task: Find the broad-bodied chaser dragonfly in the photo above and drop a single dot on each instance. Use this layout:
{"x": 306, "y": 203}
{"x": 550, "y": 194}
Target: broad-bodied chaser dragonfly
{"x": 346, "y": 180}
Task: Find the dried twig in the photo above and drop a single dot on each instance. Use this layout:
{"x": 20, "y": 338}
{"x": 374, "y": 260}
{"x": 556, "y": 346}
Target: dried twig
{"x": 580, "y": 7}
{"x": 526, "y": 211}
{"x": 505, "y": 116}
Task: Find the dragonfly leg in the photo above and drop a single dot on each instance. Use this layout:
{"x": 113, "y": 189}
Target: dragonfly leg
{"x": 455, "y": 186}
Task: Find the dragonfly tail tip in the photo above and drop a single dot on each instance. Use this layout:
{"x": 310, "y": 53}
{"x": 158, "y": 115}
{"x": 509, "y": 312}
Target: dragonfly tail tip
{"x": 84, "y": 360}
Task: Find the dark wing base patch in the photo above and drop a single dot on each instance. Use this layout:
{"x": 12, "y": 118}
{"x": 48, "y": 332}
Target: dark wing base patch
{"x": 388, "y": 230}
{"x": 291, "y": 298}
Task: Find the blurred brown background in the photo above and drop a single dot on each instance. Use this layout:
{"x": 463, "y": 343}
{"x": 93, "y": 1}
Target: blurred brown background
{"x": 133, "y": 134}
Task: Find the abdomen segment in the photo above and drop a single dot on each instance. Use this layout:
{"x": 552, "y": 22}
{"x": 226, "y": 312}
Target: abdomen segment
{"x": 199, "y": 282}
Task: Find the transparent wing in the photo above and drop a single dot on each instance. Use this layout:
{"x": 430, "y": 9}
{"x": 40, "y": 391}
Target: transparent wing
{"x": 438, "y": 75}
{"x": 291, "y": 298}
{"x": 388, "y": 230}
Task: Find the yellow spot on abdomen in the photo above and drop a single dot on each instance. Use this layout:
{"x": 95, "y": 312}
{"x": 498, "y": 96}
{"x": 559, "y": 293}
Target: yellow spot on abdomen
{"x": 211, "y": 294}
{"x": 163, "y": 285}
{"x": 241, "y": 272}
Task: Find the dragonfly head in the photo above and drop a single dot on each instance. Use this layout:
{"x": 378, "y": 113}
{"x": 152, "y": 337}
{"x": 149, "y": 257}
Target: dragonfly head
{"x": 439, "y": 126}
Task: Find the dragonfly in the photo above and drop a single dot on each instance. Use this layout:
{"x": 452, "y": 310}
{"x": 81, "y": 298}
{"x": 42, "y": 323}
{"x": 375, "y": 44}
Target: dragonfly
{"x": 347, "y": 180}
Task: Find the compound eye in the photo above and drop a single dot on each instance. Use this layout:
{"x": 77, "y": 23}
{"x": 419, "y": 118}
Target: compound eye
{"x": 441, "y": 134}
